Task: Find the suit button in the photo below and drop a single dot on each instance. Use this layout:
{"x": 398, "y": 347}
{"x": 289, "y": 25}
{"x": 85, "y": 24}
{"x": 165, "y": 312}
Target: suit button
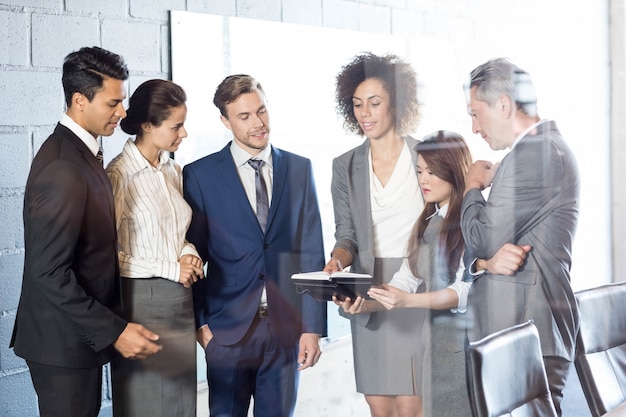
{"x": 266, "y": 246}
{"x": 261, "y": 276}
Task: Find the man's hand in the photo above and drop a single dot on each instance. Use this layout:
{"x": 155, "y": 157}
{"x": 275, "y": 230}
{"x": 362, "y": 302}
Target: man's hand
{"x": 480, "y": 175}
{"x": 309, "y": 351}
{"x": 190, "y": 270}
{"x": 507, "y": 259}
{"x": 204, "y": 336}
{"x": 137, "y": 342}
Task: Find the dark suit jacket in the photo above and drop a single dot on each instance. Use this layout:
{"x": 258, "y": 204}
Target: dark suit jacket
{"x": 71, "y": 278}
{"x": 533, "y": 201}
{"x": 241, "y": 258}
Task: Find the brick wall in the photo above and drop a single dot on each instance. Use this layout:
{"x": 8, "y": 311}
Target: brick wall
{"x": 36, "y": 35}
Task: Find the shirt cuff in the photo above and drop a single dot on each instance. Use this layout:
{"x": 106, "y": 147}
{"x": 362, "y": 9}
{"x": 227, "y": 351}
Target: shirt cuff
{"x": 473, "y": 271}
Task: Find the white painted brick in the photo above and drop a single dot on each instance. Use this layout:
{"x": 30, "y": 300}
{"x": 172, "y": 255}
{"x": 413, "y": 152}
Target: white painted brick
{"x": 340, "y": 14}
{"x": 421, "y": 5}
{"x": 36, "y": 97}
{"x": 56, "y": 36}
{"x": 220, "y": 7}
{"x": 42, "y": 133}
{"x": 15, "y": 154}
{"x": 264, "y": 10}
{"x": 165, "y": 49}
{"x": 18, "y": 394}
{"x": 395, "y": 4}
{"x": 11, "y": 225}
{"x": 138, "y": 43}
{"x": 155, "y": 9}
{"x": 305, "y": 13}
{"x": 375, "y": 19}
{"x": 406, "y": 23}
{"x": 44, "y": 4}
{"x": 108, "y": 8}
{"x": 14, "y": 34}
{"x": 11, "y": 270}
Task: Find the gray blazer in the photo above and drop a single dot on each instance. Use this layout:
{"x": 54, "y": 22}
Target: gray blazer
{"x": 353, "y": 212}
{"x": 533, "y": 201}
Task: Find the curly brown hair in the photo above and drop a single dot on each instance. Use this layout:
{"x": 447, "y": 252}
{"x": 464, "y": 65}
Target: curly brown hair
{"x": 398, "y": 79}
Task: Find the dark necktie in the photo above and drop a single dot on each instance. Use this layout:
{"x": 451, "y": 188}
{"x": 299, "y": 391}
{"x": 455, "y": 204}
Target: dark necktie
{"x": 262, "y": 203}
{"x": 100, "y": 157}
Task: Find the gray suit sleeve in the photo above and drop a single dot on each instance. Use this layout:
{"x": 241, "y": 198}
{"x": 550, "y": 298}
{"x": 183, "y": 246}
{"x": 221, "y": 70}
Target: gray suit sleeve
{"x": 521, "y": 197}
{"x": 345, "y": 235}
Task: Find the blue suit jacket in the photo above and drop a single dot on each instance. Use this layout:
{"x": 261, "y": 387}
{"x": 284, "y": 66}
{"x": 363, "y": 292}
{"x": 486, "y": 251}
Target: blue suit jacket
{"x": 241, "y": 259}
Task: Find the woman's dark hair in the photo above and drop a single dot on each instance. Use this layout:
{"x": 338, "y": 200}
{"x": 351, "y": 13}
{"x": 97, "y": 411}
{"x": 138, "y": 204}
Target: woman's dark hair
{"x": 398, "y": 79}
{"x": 449, "y": 158}
{"x": 85, "y": 70}
{"x": 152, "y": 102}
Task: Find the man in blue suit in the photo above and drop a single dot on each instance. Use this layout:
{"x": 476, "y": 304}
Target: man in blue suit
{"x": 255, "y": 227}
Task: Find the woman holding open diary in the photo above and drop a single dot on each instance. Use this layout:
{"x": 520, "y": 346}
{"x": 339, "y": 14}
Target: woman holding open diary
{"x": 376, "y": 201}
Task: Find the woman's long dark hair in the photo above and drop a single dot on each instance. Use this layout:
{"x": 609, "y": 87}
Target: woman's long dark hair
{"x": 449, "y": 158}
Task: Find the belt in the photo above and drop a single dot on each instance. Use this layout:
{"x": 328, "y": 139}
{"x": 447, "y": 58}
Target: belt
{"x": 263, "y": 312}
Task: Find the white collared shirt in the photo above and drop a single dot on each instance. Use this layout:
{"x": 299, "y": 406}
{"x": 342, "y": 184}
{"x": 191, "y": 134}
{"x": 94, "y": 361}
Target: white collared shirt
{"x": 526, "y": 131}
{"x": 151, "y": 214}
{"x": 247, "y": 177}
{"x": 247, "y": 173}
{"x": 86, "y": 137}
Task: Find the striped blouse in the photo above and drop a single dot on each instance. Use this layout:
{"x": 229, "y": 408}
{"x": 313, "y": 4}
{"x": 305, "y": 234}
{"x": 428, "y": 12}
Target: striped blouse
{"x": 151, "y": 214}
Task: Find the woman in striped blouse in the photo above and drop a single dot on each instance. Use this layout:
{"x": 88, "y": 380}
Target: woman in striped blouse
{"x": 157, "y": 264}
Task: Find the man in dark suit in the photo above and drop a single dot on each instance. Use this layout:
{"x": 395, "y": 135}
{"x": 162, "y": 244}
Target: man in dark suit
{"x": 255, "y": 227}
{"x": 65, "y": 327}
{"x": 533, "y": 203}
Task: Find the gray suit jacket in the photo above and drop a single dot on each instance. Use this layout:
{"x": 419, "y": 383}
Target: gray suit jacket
{"x": 353, "y": 212}
{"x": 533, "y": 201}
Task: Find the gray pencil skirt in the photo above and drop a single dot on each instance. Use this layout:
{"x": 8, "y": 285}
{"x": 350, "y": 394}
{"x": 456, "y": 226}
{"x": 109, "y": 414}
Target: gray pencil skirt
{"x": 388, "y": 351}
{"x": 164, "y": 384}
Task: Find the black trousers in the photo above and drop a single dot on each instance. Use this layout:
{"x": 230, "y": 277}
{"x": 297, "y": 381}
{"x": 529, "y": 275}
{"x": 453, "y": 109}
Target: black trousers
{"x": 67, "y": 392}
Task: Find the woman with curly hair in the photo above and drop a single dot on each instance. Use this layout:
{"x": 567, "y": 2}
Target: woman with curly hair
{"x": 376, "y": 201}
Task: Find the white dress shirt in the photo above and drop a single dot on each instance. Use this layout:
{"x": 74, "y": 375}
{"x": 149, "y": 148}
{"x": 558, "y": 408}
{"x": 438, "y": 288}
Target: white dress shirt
{"x": 247, "y": 173}
{"x": 247, "y": 177}
{"x": 151, "y": 214}
{"x": 86, "y": 137}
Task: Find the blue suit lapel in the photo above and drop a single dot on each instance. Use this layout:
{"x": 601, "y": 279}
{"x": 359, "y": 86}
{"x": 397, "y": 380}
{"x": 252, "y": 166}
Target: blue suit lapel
{"x": 229, "y": 177}
{"x": 279, "y": 164}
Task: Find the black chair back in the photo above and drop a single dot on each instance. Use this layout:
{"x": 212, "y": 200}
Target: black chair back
{"x": 506, "y": 375}
{"x": 601, "y": 346}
